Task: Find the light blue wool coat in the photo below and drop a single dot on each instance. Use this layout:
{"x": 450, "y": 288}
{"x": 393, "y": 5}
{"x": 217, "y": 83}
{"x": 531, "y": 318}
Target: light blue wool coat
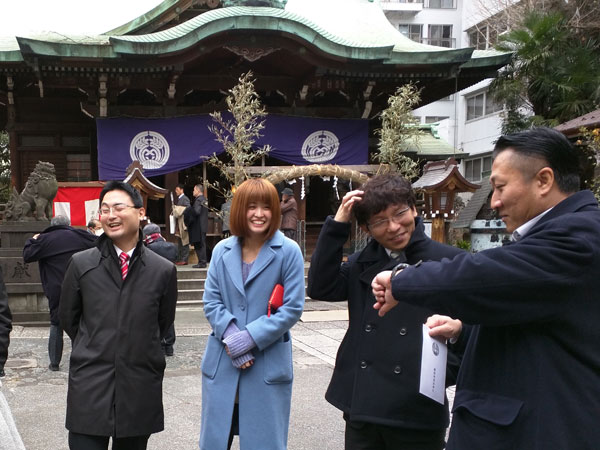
{"x": 264, "y": 389}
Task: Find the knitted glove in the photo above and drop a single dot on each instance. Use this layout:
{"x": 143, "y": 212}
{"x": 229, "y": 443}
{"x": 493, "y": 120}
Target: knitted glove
{"x": 239, "y": 343}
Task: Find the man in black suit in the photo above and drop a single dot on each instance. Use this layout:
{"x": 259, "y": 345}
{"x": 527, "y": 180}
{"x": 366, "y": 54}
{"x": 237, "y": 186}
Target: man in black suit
{"x": 530, "y": 376}
{"x": 197, "y": 220}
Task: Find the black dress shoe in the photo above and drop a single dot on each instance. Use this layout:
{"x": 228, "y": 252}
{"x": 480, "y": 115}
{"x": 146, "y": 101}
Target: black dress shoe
{"x": 54, "y": 368}
{"x": 2, "y": 373}
{"x": 168, "y": 350}
{"x": 199, "y": 265}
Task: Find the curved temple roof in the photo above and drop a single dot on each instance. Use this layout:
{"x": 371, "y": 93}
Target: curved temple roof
{"x": 352, "y": 29}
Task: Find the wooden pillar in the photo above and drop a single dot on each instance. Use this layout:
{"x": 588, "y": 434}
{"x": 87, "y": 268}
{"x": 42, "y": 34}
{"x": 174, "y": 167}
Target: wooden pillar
{"x": 438, "y": 229}
{"x": 301, "y": 203}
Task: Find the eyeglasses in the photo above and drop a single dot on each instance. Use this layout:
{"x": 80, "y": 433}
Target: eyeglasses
{"x": 105, "y": 210}
{"x": 382, "y": 224}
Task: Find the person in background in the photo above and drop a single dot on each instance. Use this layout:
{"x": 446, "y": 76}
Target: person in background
{"x": 250, "y": 393}
{"x": 196, "y": 219}
{"x": 225, "y": 212}
{"x": 158, "y": 244}
{"x": 530, "y": 376}
{"x": 183, "y": 242}
{"x": 95, "y": 227}
{"x": 118, "y": 301}
{"x": 376, "y": 377}
{"x": 9, "y": 435}
{"x": 52, "y": 249}
{"x": 289, "y": 214}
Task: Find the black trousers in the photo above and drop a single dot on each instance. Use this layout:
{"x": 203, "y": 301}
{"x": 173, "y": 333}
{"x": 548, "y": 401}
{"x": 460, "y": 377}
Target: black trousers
{"x": 79, "y": 441}
{"x": 200, "y": 248}
{"x": 370, "y": 436}
{"x": 55, "y": 345}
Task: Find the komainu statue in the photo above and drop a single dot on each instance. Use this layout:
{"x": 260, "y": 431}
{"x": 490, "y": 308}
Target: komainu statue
{"x": 35, "y": 202}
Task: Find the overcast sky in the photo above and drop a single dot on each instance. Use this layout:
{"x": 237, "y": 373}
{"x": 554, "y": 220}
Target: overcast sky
{"x": 18, "y": 17}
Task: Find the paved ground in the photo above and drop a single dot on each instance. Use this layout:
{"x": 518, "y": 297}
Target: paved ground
{"x": 37, "y": 396}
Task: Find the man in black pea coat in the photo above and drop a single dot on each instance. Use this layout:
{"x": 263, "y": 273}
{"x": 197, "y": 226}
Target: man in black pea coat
{"x": 530, "y": 377}
{"x": 53, "y": 248}
{"x": 377, "y": 372}
{"x": 5, "y": 324}
{"x": 197, "y": 223}
{"x": 118, "y": 300}
{"x": 158, "y": 244}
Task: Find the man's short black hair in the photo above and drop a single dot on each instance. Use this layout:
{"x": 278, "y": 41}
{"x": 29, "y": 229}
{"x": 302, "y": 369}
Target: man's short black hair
{"x": 115, "y": 185}
{"x": 380, "y": 192}
{"x": 180, "y": 186}
{"x": 550, "y": 146}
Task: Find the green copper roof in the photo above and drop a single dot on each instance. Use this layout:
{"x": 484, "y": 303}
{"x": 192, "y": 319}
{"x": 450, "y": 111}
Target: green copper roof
{"x": 431, "y": 146}
{"x": 271, "y": 3}
{"x": 142, "y": 20}
{"x": 353, "y": 29}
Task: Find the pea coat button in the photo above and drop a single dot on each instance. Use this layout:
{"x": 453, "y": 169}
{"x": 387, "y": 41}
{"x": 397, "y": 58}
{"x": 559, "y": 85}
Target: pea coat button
{"x": 368, "y": 328}
{"x": 242, "y": 307}
{"x": 397, "y": 370}
{"x": 403, "y": 331}
{"x": 363, "y": 364}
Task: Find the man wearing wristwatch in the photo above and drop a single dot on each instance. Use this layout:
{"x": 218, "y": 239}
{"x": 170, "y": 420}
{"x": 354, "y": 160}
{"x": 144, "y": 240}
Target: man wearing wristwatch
{"x": 530, "y": 376}
{"x": 376, "y": 377}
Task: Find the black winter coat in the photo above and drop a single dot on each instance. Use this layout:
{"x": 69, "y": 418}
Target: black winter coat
{"x": 117, "y": 363}
{"x": 530, "y": 377}
{"x": 198, "y": 215}
{"x": 5, "y": 322}
{"x": 165, "y": 249}
{"x": 53, "y": 249}
{"x": 377, "y": 370}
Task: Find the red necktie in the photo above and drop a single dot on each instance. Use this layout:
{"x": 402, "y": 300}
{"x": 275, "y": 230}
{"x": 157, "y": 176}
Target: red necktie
{"x": 124, "y": 257}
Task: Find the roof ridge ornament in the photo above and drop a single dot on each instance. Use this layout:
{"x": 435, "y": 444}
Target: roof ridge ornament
{"x": 268, "y": 3}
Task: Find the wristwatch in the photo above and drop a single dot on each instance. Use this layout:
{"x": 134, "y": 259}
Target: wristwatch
{"x": 400, "y": 267}
{"x": 397, "y": 269}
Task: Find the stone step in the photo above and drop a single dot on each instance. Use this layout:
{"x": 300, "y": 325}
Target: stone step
{"x": 190, "y": 284}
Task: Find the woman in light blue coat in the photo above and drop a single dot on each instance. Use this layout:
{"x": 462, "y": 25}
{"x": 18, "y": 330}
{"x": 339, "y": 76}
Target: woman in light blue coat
{"x": 247, "y": 366}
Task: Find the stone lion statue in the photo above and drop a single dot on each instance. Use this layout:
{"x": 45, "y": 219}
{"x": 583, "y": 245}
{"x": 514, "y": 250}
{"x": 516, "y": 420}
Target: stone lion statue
{"x": 35, "y": 202}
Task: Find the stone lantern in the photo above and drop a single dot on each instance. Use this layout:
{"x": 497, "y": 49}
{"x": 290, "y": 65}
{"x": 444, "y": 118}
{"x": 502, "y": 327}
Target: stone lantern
{"x": 440, "y": 182}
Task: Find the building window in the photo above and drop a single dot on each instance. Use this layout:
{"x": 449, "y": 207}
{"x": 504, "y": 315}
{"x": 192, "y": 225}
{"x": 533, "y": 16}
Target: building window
{"x": 434, "y": 119}
{"x": 411, "y": 31}
{"x": 480, "y": 105}
{"x": 476, "y": 168}
{"x": 442, "y": 4}
{"x": 483, "y": 37}
{"x": 441, "y": 35}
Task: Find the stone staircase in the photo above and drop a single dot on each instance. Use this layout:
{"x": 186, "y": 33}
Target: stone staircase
{"x": 190, "y": 286}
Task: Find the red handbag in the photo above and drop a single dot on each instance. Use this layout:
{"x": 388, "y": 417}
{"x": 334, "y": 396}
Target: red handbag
{"x": 276, "y": 299}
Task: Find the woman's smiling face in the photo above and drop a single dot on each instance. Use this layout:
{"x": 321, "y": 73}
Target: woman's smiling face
{"x": 259, "y": 217}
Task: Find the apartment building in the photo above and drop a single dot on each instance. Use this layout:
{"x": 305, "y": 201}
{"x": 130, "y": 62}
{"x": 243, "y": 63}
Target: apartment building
{"x": 470, "y": 119}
